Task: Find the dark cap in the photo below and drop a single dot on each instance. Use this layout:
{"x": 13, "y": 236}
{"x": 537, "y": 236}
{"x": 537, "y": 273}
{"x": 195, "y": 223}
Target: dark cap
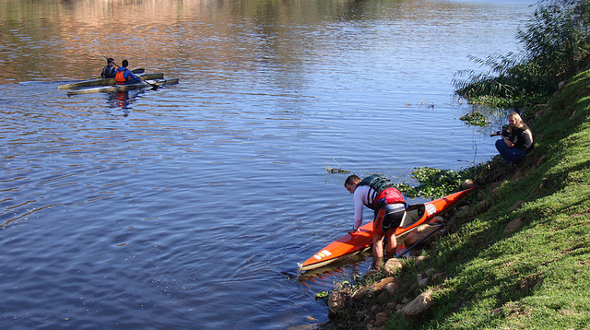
{"x": 110, "y": 60}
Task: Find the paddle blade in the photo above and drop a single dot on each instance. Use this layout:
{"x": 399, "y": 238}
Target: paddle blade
{"x": 153, "y": 84}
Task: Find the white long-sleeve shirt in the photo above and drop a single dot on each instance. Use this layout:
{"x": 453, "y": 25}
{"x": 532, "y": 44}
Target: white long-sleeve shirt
{"x": 361, "y": 198}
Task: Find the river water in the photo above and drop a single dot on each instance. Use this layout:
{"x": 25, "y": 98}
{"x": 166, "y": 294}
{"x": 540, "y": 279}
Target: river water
{"x": 189, "y": 206}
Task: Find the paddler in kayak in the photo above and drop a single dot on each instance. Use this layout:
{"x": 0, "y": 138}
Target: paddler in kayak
{"x": 379, "y": 194}
{"x": 109, "y": 70}
{"x": 125, "y": 76}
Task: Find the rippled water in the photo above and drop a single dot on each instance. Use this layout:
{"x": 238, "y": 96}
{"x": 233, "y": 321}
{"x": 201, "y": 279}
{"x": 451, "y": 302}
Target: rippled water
{"x": 189, "y": 206}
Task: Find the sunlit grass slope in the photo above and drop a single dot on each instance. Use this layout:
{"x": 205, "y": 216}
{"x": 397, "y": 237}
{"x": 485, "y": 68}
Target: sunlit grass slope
{"x": 538, "y": 276}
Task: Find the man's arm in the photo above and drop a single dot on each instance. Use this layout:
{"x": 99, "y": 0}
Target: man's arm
{"x": 358, "y": 209}
{"x": 131, "y": 75}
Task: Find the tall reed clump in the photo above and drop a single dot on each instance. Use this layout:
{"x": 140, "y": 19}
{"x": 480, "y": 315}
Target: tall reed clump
{"x": 556, "y": 43}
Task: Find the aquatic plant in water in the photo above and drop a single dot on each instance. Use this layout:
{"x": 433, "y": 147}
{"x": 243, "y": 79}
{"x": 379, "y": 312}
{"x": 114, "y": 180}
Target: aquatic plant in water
{"x": 475, "y": 118}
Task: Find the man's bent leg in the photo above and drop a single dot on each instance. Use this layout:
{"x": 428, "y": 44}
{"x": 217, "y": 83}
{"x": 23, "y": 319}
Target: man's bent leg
{"x": 391, "y": 243}
{"x": 377, "y": 252}
{"x": 390, "y": 234}
{"x": 378, "y": 235}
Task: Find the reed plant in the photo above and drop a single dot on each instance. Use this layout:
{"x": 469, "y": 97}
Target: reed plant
{"x": 556, "y": 43}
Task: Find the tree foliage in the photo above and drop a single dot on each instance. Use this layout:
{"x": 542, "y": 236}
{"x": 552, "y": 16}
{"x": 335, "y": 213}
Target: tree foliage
{"x": 556, "y": 43}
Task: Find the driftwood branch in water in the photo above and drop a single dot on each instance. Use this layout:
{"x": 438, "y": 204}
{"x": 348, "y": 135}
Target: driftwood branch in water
{"x": 335, "y": 170}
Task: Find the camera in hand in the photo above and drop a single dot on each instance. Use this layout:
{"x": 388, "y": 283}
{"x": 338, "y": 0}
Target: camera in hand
{"x": 503, "y": 132}
{"x": 496, "y": 133}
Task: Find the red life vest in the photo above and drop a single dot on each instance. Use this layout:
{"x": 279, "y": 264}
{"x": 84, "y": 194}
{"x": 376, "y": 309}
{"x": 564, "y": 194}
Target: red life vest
{"x": 120, "y": 77}
{"x": 391, "y": 196}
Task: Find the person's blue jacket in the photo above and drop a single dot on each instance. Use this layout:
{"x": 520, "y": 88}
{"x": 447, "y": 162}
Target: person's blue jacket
{"x": 124, "y": 76}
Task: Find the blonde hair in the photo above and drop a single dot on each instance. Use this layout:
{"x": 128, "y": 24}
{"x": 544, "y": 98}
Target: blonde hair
{"x": 519, "y": 122}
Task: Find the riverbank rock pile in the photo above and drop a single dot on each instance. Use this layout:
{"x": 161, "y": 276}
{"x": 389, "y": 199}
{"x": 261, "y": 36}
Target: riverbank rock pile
{"x": 374, "y": 304}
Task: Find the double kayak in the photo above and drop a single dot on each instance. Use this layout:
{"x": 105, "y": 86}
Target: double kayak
{"x": 351, "y": 244}
{"x": 106, "y": 81}
{"x": 148, "y": 83}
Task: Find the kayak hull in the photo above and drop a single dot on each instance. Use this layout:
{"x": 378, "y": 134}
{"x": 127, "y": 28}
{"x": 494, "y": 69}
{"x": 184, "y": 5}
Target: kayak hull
{"x": 106, "y": 81}
{"x": 127, "y": 87}
{"x": 352, "y": 244}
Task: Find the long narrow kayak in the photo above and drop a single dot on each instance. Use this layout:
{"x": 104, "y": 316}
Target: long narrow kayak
{"x": 127, "y": 87}
{"x": 106, "y": 81}
{"x": 351, "y": 244}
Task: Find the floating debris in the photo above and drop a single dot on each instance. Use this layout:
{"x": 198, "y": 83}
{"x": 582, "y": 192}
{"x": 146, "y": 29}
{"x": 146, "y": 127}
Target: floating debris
{"x": 335, "y": 170}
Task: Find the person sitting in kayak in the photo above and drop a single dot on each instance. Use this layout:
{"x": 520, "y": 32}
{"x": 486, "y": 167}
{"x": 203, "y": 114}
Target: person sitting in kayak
{"x": 124, "y": 76}
{"x": 377, "y": 193}
{"x": 109, "y": 70}
{"x": 516, "y": 141}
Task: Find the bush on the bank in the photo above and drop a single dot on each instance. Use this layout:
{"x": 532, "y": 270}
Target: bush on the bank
{"x": 556, "y": 46}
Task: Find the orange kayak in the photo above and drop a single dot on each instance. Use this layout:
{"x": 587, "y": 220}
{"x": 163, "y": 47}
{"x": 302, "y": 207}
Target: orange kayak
{"x": 351, "y": 244}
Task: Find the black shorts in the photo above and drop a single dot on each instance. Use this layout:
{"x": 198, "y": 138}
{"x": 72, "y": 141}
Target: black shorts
{"x": 394, "y": 214}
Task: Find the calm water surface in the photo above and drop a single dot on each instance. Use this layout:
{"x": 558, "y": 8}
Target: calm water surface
{"x": 189, "y": 206}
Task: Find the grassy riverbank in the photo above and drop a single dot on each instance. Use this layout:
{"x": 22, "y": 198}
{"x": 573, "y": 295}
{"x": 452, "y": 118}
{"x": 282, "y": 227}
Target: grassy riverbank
{"x": 535, "y": 276}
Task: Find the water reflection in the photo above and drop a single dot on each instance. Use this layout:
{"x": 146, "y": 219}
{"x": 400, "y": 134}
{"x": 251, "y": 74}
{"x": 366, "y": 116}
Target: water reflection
{"x": 123, "y": 99}
{"x": 48, "y": 40}
{"x": 352, "y": 267}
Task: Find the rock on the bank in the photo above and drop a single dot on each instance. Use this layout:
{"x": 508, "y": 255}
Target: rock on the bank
{"x": 336, "y": 302}
{"x": 418, "y": 306}
{"x": 392, "y": 266}
{"x": 512, "y": 226}
{"x": 419, "y": 233}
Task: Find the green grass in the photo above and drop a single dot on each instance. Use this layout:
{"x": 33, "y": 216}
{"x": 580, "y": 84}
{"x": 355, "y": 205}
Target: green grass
{"x": 537, "y": 277}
